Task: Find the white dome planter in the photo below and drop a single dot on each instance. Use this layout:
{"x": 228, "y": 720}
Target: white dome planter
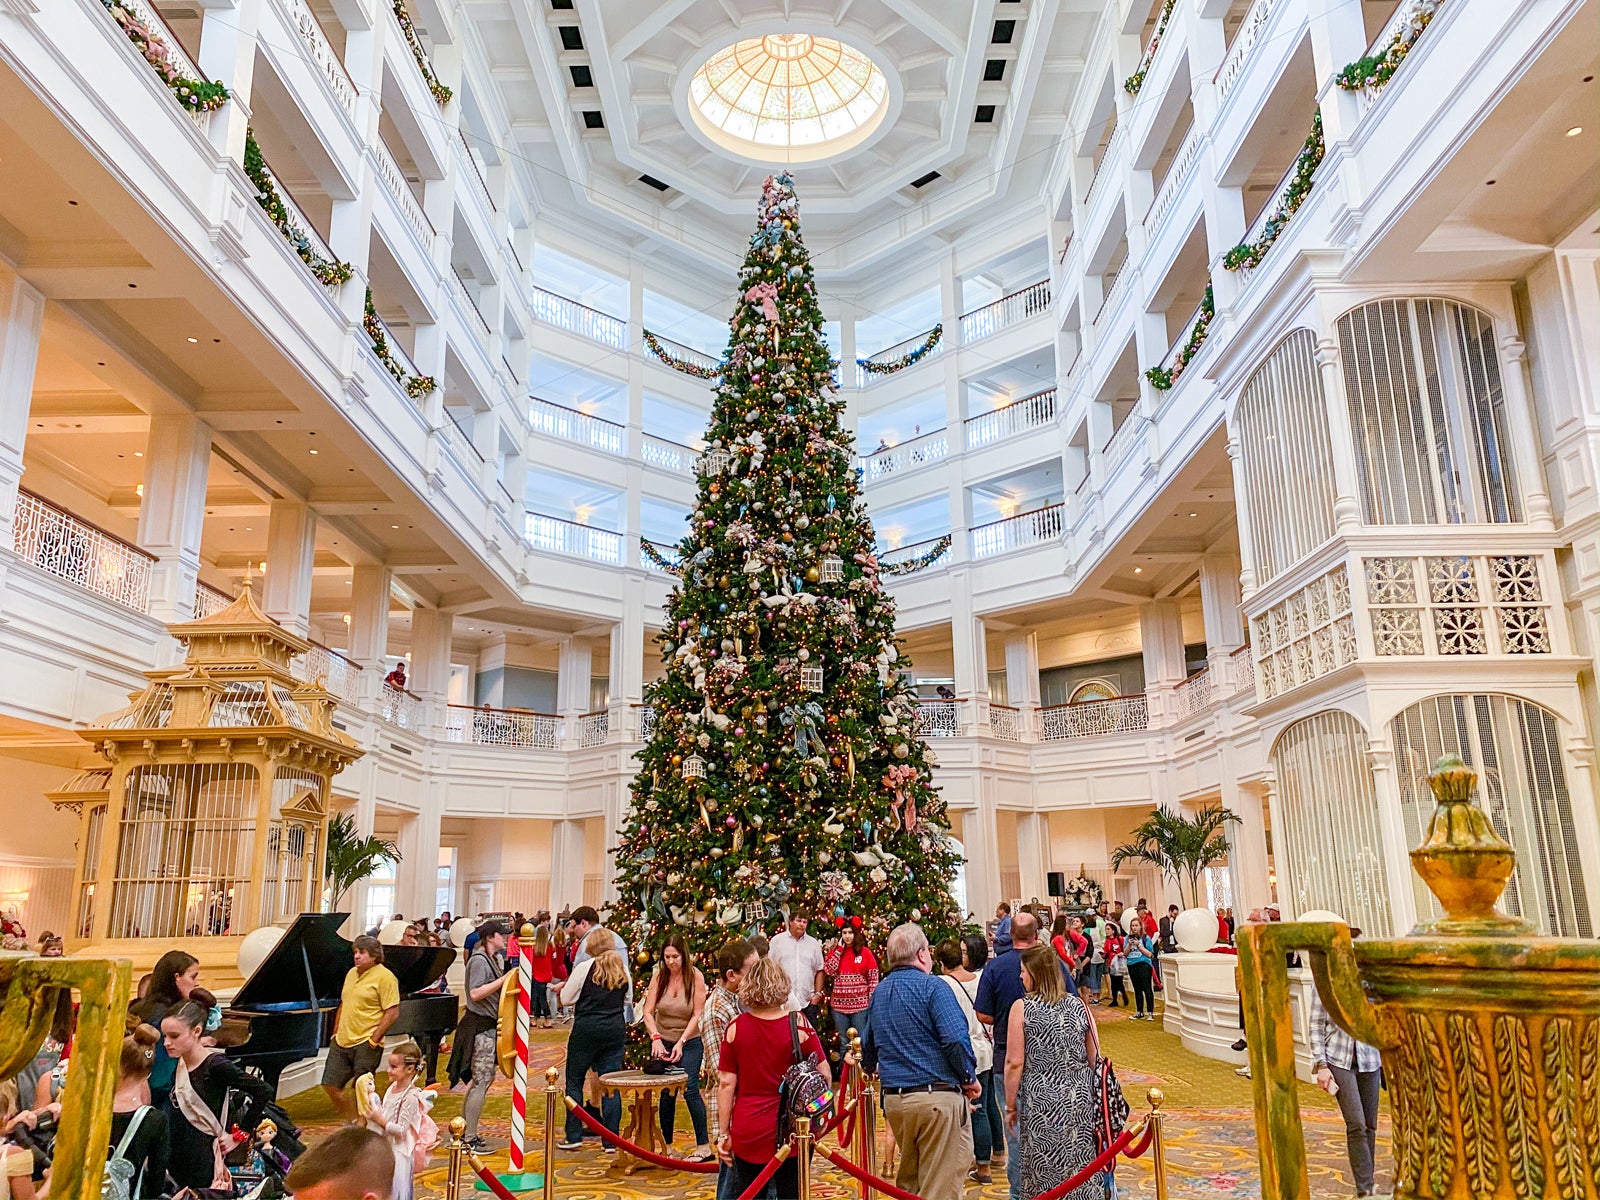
{"x": 255, "y": 947}
{"x": 1196, "y": 930}
{"x": 459, "y": 928}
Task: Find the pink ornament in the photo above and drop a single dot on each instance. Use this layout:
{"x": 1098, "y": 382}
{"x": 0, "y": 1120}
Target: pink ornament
{"x": 766, "y": 294}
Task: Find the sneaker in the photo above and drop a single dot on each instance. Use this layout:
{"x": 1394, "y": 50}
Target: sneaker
{"x": 1243, "y": 1071}
{"x": 476, "y": 1144}
{"x": 1238, "y": 1046}
{"x": 567, "y": 1145}
{"x": 980, "y": 1175}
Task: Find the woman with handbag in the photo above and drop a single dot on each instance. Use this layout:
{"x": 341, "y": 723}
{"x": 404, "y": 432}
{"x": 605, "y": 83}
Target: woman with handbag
{"x": 204, "y": 1108}
{"x": 672, "y": 1007}
{"x": 1051, "y": 1051}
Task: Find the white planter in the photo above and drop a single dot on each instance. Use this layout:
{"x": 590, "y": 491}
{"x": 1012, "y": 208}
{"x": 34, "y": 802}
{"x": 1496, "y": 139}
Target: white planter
{"x": 1196, "y": 930}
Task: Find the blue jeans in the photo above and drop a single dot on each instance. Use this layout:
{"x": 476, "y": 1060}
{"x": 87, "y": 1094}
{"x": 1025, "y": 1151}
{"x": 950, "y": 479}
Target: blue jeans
{"x": 601, "y": 1052}
{"x": 988, "y": 1125}
{"x": 694, "y": 1054}
{"x": 1014, "y": 1159}
{"x": 844, "y": 1022}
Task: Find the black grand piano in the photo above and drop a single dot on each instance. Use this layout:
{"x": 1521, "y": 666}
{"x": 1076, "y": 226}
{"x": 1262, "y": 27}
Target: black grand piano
{"x": 289, "y": 1000}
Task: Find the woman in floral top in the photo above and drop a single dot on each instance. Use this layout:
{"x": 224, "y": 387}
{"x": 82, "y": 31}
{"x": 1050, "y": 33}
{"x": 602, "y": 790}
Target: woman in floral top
{"x": 853, "y": 975}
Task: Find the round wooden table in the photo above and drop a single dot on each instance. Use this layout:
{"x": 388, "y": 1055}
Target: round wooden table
{"x": 641, "y": 1098}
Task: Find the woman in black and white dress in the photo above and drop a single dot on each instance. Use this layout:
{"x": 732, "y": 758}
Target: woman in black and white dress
{"x": 1051, "y": 1047}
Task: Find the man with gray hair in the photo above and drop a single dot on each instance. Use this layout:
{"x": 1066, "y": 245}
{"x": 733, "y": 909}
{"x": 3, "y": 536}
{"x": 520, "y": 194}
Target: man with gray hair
{"x": 917, "y": 1035}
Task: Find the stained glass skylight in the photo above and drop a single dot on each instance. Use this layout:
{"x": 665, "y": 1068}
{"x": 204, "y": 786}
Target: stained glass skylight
{"x": 805, "y": 97}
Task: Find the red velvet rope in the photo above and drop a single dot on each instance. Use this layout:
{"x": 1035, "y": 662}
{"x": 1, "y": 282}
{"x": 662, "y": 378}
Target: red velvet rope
{"x": 855, "y": 1172}
{"x": 1144, "y": 1142}
{"x": 767, "y": 1172}
{"x": 616, "y": 1139}
{"x": 491, "y": 1180}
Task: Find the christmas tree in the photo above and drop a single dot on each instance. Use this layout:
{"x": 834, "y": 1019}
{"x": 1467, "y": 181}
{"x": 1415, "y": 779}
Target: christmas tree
{"x": 784, "y": 772}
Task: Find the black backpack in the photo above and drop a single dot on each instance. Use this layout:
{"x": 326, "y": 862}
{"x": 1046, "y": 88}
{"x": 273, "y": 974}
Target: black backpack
{"x": 803, "y": 1091}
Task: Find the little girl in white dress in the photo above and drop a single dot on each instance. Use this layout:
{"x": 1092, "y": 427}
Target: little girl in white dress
{"x": 402, "y": 1116}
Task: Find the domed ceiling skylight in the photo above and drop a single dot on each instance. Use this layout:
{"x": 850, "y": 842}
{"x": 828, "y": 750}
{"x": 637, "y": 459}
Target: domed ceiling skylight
{"x": 788, "y": 96}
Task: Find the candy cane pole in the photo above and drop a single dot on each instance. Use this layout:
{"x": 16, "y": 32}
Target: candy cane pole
{"x": 519, "y": 1179}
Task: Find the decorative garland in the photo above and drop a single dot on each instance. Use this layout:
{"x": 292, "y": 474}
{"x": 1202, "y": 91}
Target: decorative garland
{"x": 1134, "y": 82}
{"x": 1371, "y": 72}
{"x": 1250, "y": 254}
{"x": 912, "y": 565}
{"x": 929, "y": 344}
{"x": 441, "y": 93}
{"x": 658, "y": 559}
{"x": 196, "y": 95}
{"x": 416, "y": 386}
{"x": 678, "y": 364}
{"x": 328, "y": 271}
{"x": 1162, "y": 378}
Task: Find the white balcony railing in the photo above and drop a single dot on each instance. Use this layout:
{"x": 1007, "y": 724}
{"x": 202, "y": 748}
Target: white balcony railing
{"x": 1406, "y": 24}
{"x": 1269, "y": 210}
{"x": 162, "y": 43}
{"x": 937, "y": 718}
{"x": 570, "y": 425}
{"x": 1113, "y": 292}
{"x": 1004, "y": 722}
{"x": 470, "y": 309}
{"x": 1035, "y": 528}
{"x": 405, "y": 199}
{"x": 1243, "y": 42}
{"x": 1195, "y": 693}
{"x": 209, "y": 600}
{"x": 338, "y": 674}
{"x": 471, "y": 156}
{"x": 1019, "y": 416}
{"x": 647, "y": 721}
{"x": 1244, "y": 670}
{"x": 665, "y": 552}
{"x": 1121, "y": 442}
{"x": 321, "y": 53}
{"x": 55, "y": 541}
{"x": 561, "y": 536}
{"x": 901, "y": 554}
{"x": 593, "y": 728}
{"x": 460, "y": 442}
{"x": 578, "y": 318}
{"x": 1101, "y": 169}
{"x": 400, "y": 707}
{"x": 1094, "y": 718}
{"x": 668, "y": 455}
{"x": 1177, "y": 175}
{"x": 920, "y": 451}
{"x": 865, "y": 378}
{"x": 397, "y": 351}
{"x": 687, "y": 354}
{"x": 1031, "y": 301}
{"x": 485, "y": 726}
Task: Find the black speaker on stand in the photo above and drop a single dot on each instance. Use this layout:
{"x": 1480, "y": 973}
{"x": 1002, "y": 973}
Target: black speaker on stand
{"x": 1057, "y": 884}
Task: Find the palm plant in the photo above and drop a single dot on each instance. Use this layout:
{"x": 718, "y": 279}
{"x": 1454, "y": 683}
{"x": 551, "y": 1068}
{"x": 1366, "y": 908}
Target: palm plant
{"x": 352, "y": 857}
{"x": 1183, "y": 847}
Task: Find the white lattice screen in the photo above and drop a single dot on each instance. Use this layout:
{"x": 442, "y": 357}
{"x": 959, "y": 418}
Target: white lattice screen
{"x": 1282, "y": 419}
{"x": 1515, "y": 746}
{"x": 1331, "y": 852}
{"x": 1427, "y": 414}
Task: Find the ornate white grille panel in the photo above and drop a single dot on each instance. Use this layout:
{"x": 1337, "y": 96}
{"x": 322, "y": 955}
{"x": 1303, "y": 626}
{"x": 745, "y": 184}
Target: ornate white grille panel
{"x": 486, "y": 726}
{"x": 1003, "y": 721}
{"x": 1457, "y": 604}
{"x": 1427, "y": 413}
{"x": 1330, "y": 854}
{"x": 1515, "y": 746}
{"x": 593, "y": 727}
{"x": 937, "y": 718}
{"x": 1094, "y": 718}
{"x": 58, "y": 542}
{"x": 1305, "y": 636}
{"x": 1282, "y": 418}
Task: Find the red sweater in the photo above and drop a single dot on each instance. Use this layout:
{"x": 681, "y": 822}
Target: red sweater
{"x": 854, "y": 979}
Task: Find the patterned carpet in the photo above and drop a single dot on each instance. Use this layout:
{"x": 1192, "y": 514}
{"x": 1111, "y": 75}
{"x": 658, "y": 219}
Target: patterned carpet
{"x": 1210, "y": 1131}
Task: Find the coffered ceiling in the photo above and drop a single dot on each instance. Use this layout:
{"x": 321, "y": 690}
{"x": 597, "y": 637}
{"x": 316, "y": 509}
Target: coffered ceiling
{"x": 592, "y": 96}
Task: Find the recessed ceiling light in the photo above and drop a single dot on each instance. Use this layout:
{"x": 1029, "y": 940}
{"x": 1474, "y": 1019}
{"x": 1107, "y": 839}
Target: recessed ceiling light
{"x": 1575, "y": 131}
{"x": 1194, "y": 514}
{"x": 1138, "y": 570}
{"x": 394, "y": 527}
{"x": 193, "y": 341}
{"x": 313, "y": 452}
{"x": 138, "y": 453}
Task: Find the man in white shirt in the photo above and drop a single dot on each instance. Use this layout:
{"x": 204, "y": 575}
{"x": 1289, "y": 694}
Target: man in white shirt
{"x": 800, "y": 956}
{"x": 585, "y": 920}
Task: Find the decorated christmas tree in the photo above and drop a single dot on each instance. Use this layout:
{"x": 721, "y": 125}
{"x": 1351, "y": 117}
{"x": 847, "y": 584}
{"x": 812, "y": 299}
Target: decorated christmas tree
{"x": 784, "y": 772}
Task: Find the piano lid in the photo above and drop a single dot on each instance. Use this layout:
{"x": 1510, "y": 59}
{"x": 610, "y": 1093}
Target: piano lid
{"x": 312, "y": 957}
{"x": 306, "y": 968}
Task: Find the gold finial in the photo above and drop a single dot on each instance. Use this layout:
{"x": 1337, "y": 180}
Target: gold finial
{"x": 551, "y": 1074}
{"x": 458, "y": 1126}
{"x": 1464, "y": 862}
{"x": 525, "y": 934}
{"x": 1155, "y": 1097}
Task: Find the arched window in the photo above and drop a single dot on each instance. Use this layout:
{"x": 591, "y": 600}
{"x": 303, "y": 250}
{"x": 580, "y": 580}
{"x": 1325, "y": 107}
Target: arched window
{"x": 1427, "y": 413}
{"x": 1515, "y": 746}
{"x": 1282, "y": 426}
{"x": 1328, "y": 853}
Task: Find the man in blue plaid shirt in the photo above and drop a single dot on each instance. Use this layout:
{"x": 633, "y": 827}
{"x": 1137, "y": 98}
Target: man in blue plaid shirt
{"x": 1351, "y": 1071}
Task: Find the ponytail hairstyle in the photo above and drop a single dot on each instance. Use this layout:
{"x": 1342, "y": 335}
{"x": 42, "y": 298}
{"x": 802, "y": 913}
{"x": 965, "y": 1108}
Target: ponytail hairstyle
{"x": 138, "y": 1050}
{"x": 410, "y": 1054}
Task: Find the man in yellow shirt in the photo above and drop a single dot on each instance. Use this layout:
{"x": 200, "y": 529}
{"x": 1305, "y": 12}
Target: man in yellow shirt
{"x": 368, "y": 1005}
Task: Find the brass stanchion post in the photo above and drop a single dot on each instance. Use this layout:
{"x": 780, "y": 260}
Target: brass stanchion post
{"x": 802, "y": 1147}
{"x": 452, "y": 1185}
{"x": 552, "y": 1105}
{"x": 863, "y": 1099}
{"x": 1158, "y": 1149}
{"x": 869, "y": 1130}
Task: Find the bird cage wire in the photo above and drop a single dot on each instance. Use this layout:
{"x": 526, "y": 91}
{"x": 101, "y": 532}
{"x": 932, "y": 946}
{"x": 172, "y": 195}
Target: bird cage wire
{"x": 294, "y": 840}
{"x": 184, "y": 844}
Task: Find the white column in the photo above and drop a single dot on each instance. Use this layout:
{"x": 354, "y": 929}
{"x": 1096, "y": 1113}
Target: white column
{"x": 1161, "y": 641}
{"x": 228, "y": 53}
{"x": 1220, "y": 609}
{"x": 1248, "y": 837}
{"x": 573, "y": 671}
{"x": 627, "y": 661}
{"x": 1033, "y": 854}
{"x": 431, "y": 633}
{"x": 1525, "y": 451}
{"x": 1341, "y": 439}
{"x": 291, "y": 553}
{"x": 566, "y": 865}
{"x": 1022, "y": 682}
{"x": 172, "y": 511}
{"x": 980, "y": 841}
{"x": 369, "y": 626}
{"x": 1392, "y": 835}
{"x": 970, "y": 654}
{"x": 1241, "y": 520}
{"x": 21, "y": 326}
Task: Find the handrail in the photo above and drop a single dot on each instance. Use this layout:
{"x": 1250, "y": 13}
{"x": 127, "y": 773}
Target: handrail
{"x": 900, "y": 554}
{"x": 502, "y": 727}
{"x": 1033, "y": 528}
{"x": 1195, "y": 693}
{"x": 1114, "y": 292}
{"x": 101, "y": 530}
{"x": 937, "y": 718}
{"x": 1270, "y": 209}
{"x": 593, "y": 727}
{"x": 573, "y": 425}
{"x": 209, "y": 600}
{"x": 1123, "y": 437}
{"x": 989, "y": 319}
{"x": 1243, "y": 42}
{"x": 1017, "y": 416}
{"x": 461, "y": 290}
{"x": 1182, "y": 339}
{"x": 395, "y": 180}
{"x": 477, "y": 171}
{"x": 1177, "y": 176}
{"x": 80, "y": 552}
{"x": 889, "y": 353}
{"x": 920, "y": 451}
{"x": 564, "y": 313}
{"x": 400, "y": 706}
{"x": 396, "y": 350}
{"x": 668, "y": 552}
{"x": 320, "y": 48}
{"x": 687, "y": 354}
{"x": 667, "y": 454}
{"x": 1113, "y": 145}
{"x": 1005, "y": 722}
{"x": 1094, "y": 718}
{"x": 544, "y": 532}
{"x": 165, "y": 46}
{"x": 466, "y": 438}
{"x": 297, "y": 217}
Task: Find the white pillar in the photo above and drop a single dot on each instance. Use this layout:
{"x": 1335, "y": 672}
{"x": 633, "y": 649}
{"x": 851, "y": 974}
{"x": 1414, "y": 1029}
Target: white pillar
{"x": 228, "y": 54}
{"x": 970, "y": 654}
{"x": 431, "y": 633}
{"x": 368, "y": 643}
{"x": 1221, "y": 611}
{"x": 1392, "y": 836}
{"x": 1241, "y": 520}
{"x": 291, "y": 554}
{"x": 627, "y": 661}
{"x": 573, "y": 671}
{"x": 980, "y": 840}
{"x": 21, "y": 326}
{"x": 1161, "y": 641}
{"x": 172, "y": 511}
{"x": 566, "y": 865}
{"x": 1248, "y": 837}
{"x": 1022, "y": 682}
{"x": 1341, "y": 440}
{"x": 1033, "y": 854}
{"x": 1525, "y": 451}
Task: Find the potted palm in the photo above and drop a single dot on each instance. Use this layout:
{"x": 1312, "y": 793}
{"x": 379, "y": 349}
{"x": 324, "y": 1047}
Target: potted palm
{"x": 352, "y": 857}
{"x": 1182, "y": 847}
